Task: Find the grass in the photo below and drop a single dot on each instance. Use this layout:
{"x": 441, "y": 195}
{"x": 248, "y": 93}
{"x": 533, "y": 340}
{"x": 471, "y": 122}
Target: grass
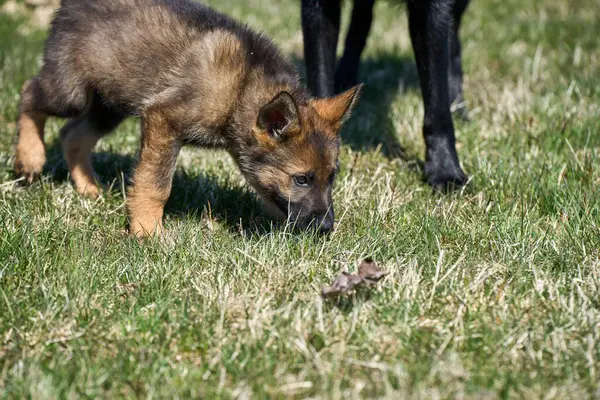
{"x": 493, "y": 292}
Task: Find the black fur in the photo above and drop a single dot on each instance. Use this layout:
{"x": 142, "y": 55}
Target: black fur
{"x": 434, "y": 26}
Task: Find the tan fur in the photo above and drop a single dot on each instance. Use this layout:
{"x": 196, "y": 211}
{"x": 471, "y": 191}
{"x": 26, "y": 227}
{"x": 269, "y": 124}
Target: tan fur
{"x": 30, "y": 154}
{"x": 153, "y": 176}
{"x": 78, "y": 139}
{"x": 337, "y": 109}
{"x": 220, "y": 76}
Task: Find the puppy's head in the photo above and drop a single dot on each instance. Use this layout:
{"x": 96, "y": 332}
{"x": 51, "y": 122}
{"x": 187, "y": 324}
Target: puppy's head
{"x": 294, "y": 158}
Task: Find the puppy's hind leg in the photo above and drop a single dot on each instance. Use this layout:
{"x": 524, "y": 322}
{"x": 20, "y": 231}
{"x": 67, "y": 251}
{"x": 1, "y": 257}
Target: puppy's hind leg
{"x": 78, "y": 138}
{"x": 30, "y": 155}
{"x": 53, "y": 92}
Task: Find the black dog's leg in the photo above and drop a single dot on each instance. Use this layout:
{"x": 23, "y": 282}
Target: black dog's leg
{"x": 321, "y": 27}
{"x": 430, "y": 24}
{"x": 455, "y": 75}
{"x": 347, "y": 71}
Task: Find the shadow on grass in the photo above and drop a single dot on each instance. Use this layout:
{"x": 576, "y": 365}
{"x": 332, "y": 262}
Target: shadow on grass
{"x": 346, "y": 303}
{"x": 198, "y": 196}
{"x": 385, "y": 76}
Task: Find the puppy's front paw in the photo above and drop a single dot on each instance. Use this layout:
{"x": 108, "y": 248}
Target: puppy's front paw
{"x": 29, "y": 163}
{"x": 143, "y": 228}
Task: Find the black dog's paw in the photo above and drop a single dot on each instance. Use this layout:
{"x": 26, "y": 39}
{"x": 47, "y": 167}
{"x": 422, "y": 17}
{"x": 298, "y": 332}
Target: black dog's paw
{"x": 443, "y": 172}
{"x": 447, "y": 181}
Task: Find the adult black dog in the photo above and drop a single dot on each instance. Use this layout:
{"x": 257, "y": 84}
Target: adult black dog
{"x": 434, "y": 26}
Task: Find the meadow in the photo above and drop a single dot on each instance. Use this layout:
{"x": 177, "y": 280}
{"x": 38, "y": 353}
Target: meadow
{"x": 493, "y": 290}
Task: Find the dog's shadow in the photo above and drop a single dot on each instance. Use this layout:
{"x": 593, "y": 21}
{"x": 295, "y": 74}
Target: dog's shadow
{"x": 385, "y": 75}
{"x": 200, "y": 196}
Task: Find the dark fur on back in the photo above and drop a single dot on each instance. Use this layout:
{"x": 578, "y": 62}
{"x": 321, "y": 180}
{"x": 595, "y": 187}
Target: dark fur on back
{"x": 135, "y": 37}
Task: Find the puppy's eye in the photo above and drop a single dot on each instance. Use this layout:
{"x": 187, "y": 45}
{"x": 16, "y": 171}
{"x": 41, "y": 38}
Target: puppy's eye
{"x": 334, "y": 172}
{"x": 332, "y": 177}
{"x": 301, "y": 180}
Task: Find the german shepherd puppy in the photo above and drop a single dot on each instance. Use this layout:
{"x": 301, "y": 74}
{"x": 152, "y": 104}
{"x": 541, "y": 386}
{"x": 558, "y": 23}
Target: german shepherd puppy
{"x": 193, "y": 76}
{"x": 434, "y": 26}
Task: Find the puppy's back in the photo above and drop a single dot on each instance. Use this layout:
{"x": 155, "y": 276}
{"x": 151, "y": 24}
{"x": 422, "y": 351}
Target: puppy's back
{"x": 140, "y": 53}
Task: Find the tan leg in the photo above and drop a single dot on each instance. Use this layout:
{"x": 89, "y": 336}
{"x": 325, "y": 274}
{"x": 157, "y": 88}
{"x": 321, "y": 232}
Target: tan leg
{"x": 153, "y": 176}
{"x": 78, "y": 139}
{"x": 30, "y": 154}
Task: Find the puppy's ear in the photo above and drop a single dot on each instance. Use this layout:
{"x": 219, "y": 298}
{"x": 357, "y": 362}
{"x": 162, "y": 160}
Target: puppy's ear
{"x": 336, "y": 110}
{"x": 279, "y": 118}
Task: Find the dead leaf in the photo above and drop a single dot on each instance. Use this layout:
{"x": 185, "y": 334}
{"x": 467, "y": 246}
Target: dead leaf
{"x": 343, "y": 283}
{"x": 369, "y": 271}
{"x": 368, "y": 274}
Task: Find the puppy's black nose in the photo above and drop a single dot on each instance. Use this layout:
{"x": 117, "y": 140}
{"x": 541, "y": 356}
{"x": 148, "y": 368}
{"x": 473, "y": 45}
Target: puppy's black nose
{"x": 326, "y": 224}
